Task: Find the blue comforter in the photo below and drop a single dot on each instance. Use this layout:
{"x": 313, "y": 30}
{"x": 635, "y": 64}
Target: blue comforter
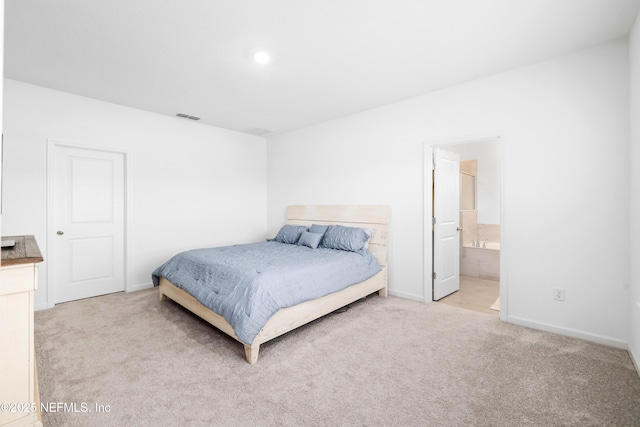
{"x": 247, "y": 284}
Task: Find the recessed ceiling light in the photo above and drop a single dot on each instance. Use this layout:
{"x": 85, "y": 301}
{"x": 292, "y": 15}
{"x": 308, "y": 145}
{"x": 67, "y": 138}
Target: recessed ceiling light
{"x": 261, "y": 57}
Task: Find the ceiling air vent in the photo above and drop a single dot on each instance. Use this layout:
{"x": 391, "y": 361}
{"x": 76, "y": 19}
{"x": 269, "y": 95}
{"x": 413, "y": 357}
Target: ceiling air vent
{"x": 186, "y": 116}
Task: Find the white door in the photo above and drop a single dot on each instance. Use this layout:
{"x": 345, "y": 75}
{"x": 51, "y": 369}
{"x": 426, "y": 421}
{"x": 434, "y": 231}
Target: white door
{"x": 88, "y": 209}
{"x": 446, "y": 220}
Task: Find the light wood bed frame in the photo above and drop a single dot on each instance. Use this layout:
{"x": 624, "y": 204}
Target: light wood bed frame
{"x": 287, "y": 319}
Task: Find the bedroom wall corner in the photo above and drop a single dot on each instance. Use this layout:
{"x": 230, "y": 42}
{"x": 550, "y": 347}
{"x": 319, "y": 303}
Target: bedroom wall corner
{"x": 634, "y": 194}
{"x": 552, "y": 112}
{"x": 190, "y": 185}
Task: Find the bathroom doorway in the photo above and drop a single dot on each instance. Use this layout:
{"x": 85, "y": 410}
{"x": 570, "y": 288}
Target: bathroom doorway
{"x": 480, "y": 223}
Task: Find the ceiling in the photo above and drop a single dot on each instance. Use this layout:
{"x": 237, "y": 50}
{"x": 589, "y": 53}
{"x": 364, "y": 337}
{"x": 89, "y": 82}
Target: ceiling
{"x": 329, "y": 58}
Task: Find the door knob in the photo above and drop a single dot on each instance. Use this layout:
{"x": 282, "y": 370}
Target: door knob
{"x": 459, "y": 228}
{"x": 60, "y": 233}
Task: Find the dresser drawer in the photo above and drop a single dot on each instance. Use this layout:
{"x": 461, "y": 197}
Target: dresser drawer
{"x": 18, "y": 278}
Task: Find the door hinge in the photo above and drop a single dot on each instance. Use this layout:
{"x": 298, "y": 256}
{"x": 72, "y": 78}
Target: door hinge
{"x": 433, "y": 220}
{"x": 433, "y": 275}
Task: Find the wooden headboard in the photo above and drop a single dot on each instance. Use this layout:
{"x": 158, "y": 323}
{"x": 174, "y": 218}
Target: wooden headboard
{"x": 364, "y": 216}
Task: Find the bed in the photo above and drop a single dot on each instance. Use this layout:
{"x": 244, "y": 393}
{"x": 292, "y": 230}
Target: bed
{"x": 374, "y": 218}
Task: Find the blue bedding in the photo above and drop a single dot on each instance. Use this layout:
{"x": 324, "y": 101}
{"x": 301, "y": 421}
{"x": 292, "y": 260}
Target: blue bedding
{"x": 247, "y": 284}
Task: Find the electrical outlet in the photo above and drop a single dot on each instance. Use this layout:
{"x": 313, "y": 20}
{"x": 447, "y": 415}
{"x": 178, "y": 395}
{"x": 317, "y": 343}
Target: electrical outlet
{"x": 558, "y": 294}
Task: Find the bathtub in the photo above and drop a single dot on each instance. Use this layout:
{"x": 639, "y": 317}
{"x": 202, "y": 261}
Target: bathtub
{"x": 494, "y": 246}
{"x": 482, "y": 262}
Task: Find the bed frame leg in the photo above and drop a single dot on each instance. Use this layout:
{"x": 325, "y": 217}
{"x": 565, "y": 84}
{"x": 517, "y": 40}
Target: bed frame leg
{"x": 383, "y": 292}
{"x": 251, "y": 352}
{"x": 162, "y": 296}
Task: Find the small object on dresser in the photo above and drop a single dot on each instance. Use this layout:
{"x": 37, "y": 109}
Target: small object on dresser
{"x": 9, "y": 243}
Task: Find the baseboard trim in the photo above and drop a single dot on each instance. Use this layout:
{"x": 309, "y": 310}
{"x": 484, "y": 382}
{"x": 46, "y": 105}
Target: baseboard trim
{"x": 412, "y": 297}
{"x": 40, "y": 307}
{"x": 635, "y": 360}
{"x": 140, "y": 287}
{"x": 598, "y": 339}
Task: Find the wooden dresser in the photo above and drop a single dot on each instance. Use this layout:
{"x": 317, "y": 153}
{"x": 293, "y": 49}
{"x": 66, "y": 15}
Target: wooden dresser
{"x": 18, "y": 380}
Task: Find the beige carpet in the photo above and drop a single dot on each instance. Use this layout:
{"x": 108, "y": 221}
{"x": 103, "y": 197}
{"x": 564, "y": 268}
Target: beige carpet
{"x": 385, "y": 361}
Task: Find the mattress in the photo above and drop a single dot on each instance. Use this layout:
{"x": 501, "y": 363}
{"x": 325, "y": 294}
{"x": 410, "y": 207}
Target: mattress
{"x": 249, "y": 283}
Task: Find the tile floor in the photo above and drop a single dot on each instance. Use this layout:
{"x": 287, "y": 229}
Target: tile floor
{"x": 475, "y": 294}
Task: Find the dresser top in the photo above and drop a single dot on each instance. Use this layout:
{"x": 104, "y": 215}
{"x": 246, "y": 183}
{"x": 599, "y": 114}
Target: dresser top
{"x": 24, "y": 252}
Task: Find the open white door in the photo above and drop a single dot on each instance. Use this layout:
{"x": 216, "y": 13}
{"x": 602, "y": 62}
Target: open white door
{"x": 446, "y": 220}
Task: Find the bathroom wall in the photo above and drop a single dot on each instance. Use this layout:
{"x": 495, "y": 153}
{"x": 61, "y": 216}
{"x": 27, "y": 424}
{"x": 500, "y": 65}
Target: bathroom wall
{"x": 469, "y": 225}
{"x": 489, "y": 232}
{"x": 488, "y": 172}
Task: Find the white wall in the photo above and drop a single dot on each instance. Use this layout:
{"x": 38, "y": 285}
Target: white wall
{"x": 1, "y": 89}
{"x": 634, "y": 56}
{"x": 488, "y": 175}
{"x": 190, "y": 185}
{"x": 564, "y": 125}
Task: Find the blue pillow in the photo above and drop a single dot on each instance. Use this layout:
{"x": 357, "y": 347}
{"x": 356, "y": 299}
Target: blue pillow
{"x": 320, "y": 229}
{"x": 342, "y": 238}
{"x": 370, "y": 232}
{"x": 311, "y": 240}
{"x": 290, "y": 233}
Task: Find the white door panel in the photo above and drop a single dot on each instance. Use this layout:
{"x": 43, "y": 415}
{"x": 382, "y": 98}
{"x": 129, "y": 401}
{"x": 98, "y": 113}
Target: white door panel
{"x": 88, "y": 207}
{"x": 92, "y": 192}
{"x": 446, "y": 211}
{"x": 98, "y": 266}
